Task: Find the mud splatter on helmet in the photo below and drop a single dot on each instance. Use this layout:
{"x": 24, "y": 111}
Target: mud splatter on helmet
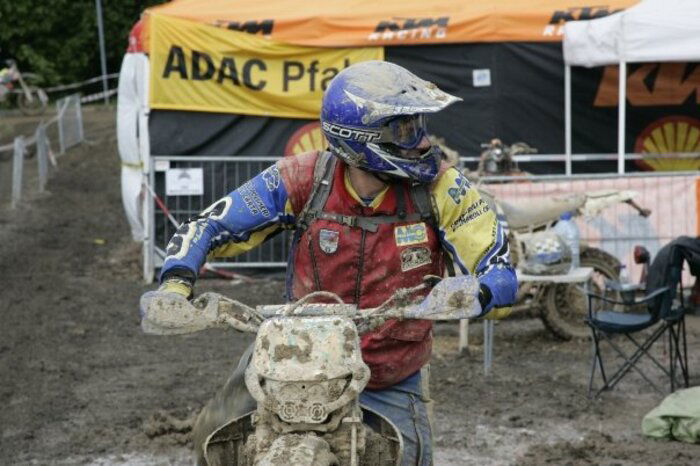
{"x": 373, "y": 111}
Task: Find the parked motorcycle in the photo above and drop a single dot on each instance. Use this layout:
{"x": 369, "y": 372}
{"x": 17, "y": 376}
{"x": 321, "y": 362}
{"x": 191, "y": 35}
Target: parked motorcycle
{"x": 562, "y": 307}
{"x": 30, "y": 98}
{"x": 306, "y": 371}
{"x": 498, "y": 159}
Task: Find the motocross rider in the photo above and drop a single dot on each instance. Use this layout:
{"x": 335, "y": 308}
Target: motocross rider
{"x": 370, "y": 235}
{"x": 5, "y": 76}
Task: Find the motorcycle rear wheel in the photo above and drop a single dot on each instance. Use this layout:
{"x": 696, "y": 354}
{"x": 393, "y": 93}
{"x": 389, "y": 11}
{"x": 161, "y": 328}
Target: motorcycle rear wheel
{"x": 566, "y": 306}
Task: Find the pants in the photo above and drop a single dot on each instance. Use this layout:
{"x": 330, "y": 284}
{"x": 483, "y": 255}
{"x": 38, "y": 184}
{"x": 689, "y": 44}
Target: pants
{"x": 404, "y": 404}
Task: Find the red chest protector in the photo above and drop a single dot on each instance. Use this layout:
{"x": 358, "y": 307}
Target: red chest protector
{"x": 364, "y": 255}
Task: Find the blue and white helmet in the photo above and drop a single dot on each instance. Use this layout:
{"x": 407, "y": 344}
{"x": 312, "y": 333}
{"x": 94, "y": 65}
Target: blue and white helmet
{"x": 374, "y": 109}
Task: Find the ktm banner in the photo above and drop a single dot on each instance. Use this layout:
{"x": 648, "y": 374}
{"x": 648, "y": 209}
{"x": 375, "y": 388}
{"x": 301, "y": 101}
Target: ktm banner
{"x": 205, "y": 68}
{"x": 359, "y": 23}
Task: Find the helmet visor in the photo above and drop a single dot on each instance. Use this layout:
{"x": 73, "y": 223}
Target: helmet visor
{"x": 406, "y": 131}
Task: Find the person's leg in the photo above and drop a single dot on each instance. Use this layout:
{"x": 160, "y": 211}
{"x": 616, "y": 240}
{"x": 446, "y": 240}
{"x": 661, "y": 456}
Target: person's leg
{"x": 232, "y": 401}
{"x": 403, "y": 405}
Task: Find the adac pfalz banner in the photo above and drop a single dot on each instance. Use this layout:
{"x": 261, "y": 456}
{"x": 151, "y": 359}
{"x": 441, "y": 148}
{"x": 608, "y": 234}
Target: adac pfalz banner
{"x": 204, "y": 68}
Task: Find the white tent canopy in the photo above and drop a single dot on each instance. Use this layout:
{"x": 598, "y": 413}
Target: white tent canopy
{"x": 651, "y": 31}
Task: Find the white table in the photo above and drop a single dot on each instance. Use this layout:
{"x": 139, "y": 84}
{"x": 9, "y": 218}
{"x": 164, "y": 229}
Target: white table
{"x": 578, "y": 275}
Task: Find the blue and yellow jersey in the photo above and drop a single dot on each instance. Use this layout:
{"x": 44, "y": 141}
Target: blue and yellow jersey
{"x": 474, "y": 239}
{"x": 468, "y": 230}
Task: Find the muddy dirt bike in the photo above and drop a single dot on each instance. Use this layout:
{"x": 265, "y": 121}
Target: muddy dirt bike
{"x": 498, "y": 159}
{"x": 306, "y": 371}
{"x": 30, "y": 98}
{"x": 561, "y": 307}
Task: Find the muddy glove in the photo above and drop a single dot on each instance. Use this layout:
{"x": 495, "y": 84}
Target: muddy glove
{"x": 174, "y": 289}
{"x": 497, "y": 292}
{"x": 485, "y": 298}
{"x": 177, "y": 285}
{"x": 452, "y": 298}
{"x": 491, "y": 312}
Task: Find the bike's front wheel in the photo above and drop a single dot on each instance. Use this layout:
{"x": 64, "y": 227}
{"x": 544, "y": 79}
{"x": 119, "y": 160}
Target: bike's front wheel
{"x": 565, "y": 306}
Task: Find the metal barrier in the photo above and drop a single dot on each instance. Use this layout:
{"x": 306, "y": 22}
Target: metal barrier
{"x": 42, "y": 156}
{"x": 21, "y": 146}
{"x": 70, "y": 122}
{"x": 17, "y": 170}
{"x": 670, "y": 196}
{"x": 220, "y": 175}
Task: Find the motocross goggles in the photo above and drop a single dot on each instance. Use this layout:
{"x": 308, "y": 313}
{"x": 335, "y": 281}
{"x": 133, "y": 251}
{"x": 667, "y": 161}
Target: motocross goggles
{"x": 404, "y": 132}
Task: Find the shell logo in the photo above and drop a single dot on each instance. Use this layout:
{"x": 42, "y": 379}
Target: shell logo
{"x": 307, "y": 138}
{"x": 668, "y": 135}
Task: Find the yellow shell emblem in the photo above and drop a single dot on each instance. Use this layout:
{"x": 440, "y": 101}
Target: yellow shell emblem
{"x": 668, "y": 135}
{"x": 307, "y": 138}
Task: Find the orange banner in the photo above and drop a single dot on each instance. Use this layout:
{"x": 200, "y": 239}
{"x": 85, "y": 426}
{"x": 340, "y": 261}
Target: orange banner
{"x": 356, "y": 23}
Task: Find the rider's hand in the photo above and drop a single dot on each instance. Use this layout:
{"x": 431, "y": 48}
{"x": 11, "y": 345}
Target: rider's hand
{"x": 453, "y": 298}
{"x": 176, "y": 285}
{"x": 485, "y": 298}
{"x": 486, "y": 301}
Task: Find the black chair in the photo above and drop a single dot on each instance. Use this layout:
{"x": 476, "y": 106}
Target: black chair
{"x": 661, "y": 317}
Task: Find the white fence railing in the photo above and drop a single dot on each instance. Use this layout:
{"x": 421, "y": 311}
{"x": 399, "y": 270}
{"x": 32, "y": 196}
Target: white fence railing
{"x": 69, "y": 123}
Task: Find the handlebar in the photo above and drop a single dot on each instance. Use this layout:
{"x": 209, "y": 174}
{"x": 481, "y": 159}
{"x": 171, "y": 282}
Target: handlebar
{"x": 168, "y": 313}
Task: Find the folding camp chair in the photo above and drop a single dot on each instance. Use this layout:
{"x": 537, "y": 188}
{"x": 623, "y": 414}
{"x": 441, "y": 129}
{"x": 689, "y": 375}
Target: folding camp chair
{"x": 662, "y": 317}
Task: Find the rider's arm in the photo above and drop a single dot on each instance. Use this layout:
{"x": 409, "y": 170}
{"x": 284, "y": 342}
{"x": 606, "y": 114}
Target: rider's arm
{"x": 232, "y": 225}
{"x": 475, "y": 240}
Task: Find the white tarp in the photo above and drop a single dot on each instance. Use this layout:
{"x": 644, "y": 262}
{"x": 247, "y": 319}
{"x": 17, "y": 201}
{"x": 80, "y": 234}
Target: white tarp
{"x": 651, "y": 31}
{"x": 132, "y": 135}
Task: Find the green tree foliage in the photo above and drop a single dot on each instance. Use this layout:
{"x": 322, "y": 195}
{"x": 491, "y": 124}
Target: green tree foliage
{"x": 58, "y": 39}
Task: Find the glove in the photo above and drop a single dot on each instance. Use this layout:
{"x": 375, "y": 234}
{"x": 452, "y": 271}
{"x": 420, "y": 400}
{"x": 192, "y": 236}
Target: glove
{"x": 485, "y": 297}
{"x": 174, "y": 289}
{"x": 452, "y": 298}
{"x": 176, "y": 285}
{"x": 486, "y": 301}
{"x": 489, "y": 311}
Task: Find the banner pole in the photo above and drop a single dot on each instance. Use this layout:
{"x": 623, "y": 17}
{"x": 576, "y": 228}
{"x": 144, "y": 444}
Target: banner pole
{"x": 103, "y": 59}
{"x": 622, "y": 98}
{"x": 567, "y": 117}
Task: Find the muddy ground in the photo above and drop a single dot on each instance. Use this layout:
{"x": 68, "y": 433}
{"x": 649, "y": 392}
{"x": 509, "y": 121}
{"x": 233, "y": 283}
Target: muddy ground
{"x": 80, "y": 383}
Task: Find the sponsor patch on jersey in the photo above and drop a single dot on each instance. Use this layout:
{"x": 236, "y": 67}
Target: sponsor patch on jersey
{"x": 217, "y": 210}
{"x": 252, "y": 200}
{"x": 406, "y": 235}
{"x": 460, "y": 190}
{"x": 328, "y": 240}
{"x": 414, "y": 257}
{"x": 271, "y": 176}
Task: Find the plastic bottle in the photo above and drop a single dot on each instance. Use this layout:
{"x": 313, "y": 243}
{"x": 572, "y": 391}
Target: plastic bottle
{"x": 624, "y": 276}
{"x": 567, "y": 229}
{"x": 626, "y": 288}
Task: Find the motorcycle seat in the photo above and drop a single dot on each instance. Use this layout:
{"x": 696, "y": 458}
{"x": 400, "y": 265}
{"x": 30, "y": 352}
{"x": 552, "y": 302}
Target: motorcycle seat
{"x": 527, "y": 214}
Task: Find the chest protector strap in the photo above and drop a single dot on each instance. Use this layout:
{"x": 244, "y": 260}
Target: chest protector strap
{"x": 323, "y": 176}
{"x": 313, "y": 209}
